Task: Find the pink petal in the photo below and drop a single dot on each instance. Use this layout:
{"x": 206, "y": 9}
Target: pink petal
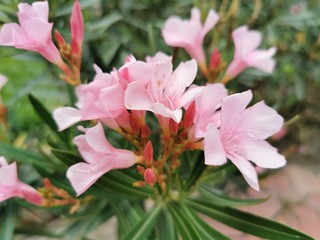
{"x": 182, "y": 78}
{"x": 210, "y": 22}
{"x": 88, "y": 154}
{"x": 42, "y": 10}
{"x": 260, "y": 121}
{"x": 83, "y": 175}
{"x": 8, "y": 174}
{"x": 162, "y": 110}
{"x": 190, "y": 95}
{"x": 112, "y": 98}
{"x": 214, "y": 153}
{"x": 30, "y": 194}
{"x": 231, "y": 107}
{"x": 66, "y": 117}
{"x": 261, "y": 59}
{"x": 263, "y": 154}
{"x": 160, "y": 56}
{"x": 9, "y": 34}
{"x": 136, "y": 97}
{"x": 32, "y": 26}
{"x": 97, "y": 140}
{"x": 245, "y": 41}
{"x": 246, "y": 169}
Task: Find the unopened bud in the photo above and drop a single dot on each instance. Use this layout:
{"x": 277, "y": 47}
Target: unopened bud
{"x": 189, "y": 116}
{"x": 60, "y": 40}
{"x": 150, "y": 177}
{"x": 141, "y": 169}
{"x": 215, "y": 59}
{"x": 138, "y": 184}
{"x": 77, "y": 29}
{"x": 148, "y": 153}
{"x": 174, "y": 127}
{"x": 134, "y": 124}
{"x": 145, "y": 131}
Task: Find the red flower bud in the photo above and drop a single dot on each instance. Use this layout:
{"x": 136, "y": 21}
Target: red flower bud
{"x": 150, "y": 177}
{"x": 215, "y": 59}
{"x": 148, "y": 153}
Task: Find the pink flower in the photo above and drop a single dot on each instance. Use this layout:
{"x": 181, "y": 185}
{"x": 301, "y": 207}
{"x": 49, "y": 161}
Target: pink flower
{"x": 165, "y": 92}
{"x": 207, "y": 106}
{"x": 77, "y": 28}
{"x": 3, "y": 81}
{"x": 10, "y": 186}
{"x": 246, "y": 53}
{"x": 100, "y": 157}
{"x": 33, "y": 33}
{"x": 189, "y": 34}
{"x": 241, "y": 137}
{"x": 102, "y": 99}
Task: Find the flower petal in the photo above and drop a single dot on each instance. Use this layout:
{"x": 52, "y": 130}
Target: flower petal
{"x": 66, "y": 117}
{"x": 263, "y": 154}
{"x": 260, "y": 121}
{"x": 136, "y": 97}
{"x": 213, "y": 149}
{"x": 246, "y": 169}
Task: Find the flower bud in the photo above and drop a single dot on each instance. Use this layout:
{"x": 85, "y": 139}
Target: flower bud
{"x": 189, "y": 116}
{"x": 215, "y": 59}
{"x": 60, "y": 40}
{"x": 77, "y": 28}
{"x": 150, "y": 177}
{"x": 148, "y": 153}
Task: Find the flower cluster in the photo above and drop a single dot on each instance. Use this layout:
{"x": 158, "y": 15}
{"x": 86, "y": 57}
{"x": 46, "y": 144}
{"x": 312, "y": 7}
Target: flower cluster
{"x": 191, "y": 116}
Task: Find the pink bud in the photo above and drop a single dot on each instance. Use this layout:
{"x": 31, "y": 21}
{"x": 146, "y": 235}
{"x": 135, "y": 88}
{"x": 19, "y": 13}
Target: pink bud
{"x": 60, "y": 40}
{"x": 215, "y": 59}
{"x": 77, "y": 28}
{"x": 150, "y": 177}
{"x": 189, "y": 116}
{"x": 148, "y": 153}
{"x": 174, "y": 127}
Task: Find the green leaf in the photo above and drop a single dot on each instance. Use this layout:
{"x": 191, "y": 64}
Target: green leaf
{"x": 195, "y": 174}
{"x": 206, "y": 231}
{"x": 185, "y": 228}
{"x": 25, "y": 156}
{"x": 247, "y": 222}
{"x": 43, "y": 113}
{"x": 165, "y": 226}
{"x": 211, "y": 195}
{"x": 144, "y": 227}
{"x": 8, "y": 219}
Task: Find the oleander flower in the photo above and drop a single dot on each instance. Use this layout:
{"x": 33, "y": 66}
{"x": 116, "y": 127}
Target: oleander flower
{"x": 102, "y": 99}
{"x": 165, "y": 92}
{"x": 208, "y": 104}
{"x": 33, "y": 33}
{"x": 241, "y": 137}
{"x": 189, "y": 34}
{"x": 247, "y": 55}
{"x": 100, "y": 157}
{"x": 10, "y": 186}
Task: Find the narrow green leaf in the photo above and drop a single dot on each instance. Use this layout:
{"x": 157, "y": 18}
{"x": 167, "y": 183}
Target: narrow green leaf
{"x": 43, "y": 113}
{"x": 186, "y": 229}
{"x": 8, "y": 221}
{"x": 211, "y": 195}
{"x": 25, "y": 156}
{"x": 196, "y": 172}
{"x": 144, "y": 227}
{"x": 247, "y": 222}
{"x": 165, "y": 226}
{"x": 206, "y": 231}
